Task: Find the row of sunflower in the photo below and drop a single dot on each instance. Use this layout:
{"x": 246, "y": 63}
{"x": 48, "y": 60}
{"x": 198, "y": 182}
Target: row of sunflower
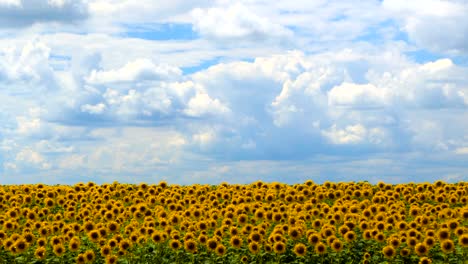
{"x": 259, "y": 222}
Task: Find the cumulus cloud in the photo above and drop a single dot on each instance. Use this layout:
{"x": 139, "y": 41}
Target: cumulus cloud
{"x": 202, "y": 104}
{"x": 29, "y": 157}
{"x": 357, "y": 95}
{"x": 236, "y": 22}
{"x": 93, "y": 109}
{"x": 29, "y": 64}
{"x": 354, "y": 134}
{"x": 437, "y": 25}
{"x": 138, "y": 70}
{"x": 461, "y": 151}
{"x": 21, "y": 13}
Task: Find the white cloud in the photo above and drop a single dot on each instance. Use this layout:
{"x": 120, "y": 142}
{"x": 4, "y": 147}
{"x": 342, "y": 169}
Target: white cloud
{"x": 357, "y": 95}
{"x": 93, "y": 109}
{"x": 138, "y": 70}
{"x": 27, "y": 64}
{"x": 30, "y": 157}
{"x": 439, "y": 25}
{"x": 47, "y": 146}
{"x": 144, "y": 10}
{"x": 354, "y": 134}
{"x": 461, "y": 151}
{"x": 16, "y": 3}
{"x": 201, "y": 104}
{"x": 205, "y": 138}
{"x": 236, "y": 22}
{"x": 23, "y": 13}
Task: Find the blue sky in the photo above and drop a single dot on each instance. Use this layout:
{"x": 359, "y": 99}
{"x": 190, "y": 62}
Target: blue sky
{"x": 233, "y": 91}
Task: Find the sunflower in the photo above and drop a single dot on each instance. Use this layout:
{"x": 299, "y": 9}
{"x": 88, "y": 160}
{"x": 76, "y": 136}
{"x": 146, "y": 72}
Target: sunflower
{"x": 89, "y": 255}
{"x": 463, "y": 240}
{"x": 212, "y": 243}
{"x": 74, "y": 244}
{"x": 40, "y": 253}
{"x": 55, "y": 240}
{"x": 254, "y": 247}
{"x": 94, "y": 235}
{"x": 279, "y": 247}
{"x": 425, "y": 260}
{"x": 236, "y": 241}
{"x": 367, "y": 234}
{"x": 367, "y": 256}
{"x": 220, "y": 250}
{"x": 350, "y": 236}
{"x": 295, "y": 233}
{"x": 337, "y": 245}
{"x": 421, "y": 249}
{"x": 255, "y": 236}
{"x": 157, "y": 237}
{"x": 190, "y": 245}
{"x": 88, "y": 226}
{"x": 20, "y": 245}
{"x": 113, "y": 242}
{"x": 447, "y": 246}
{"x": 29, "y": 237}
{"x": 326, "y": 232}
{"x": 405, "y": 252}
{"x": 41, "y": 242}
{"x": 300, "y": 250}
{"x": 389, "y": 251}
{"x": 124, "y": 244}
{"x": 411, "y": 242}
{"x": 443, "y": 233}
{"x": 59, "y": 250}
{"x": 111, "y": 259}
{"x": 320, "y": 248}
{"x": 429, "y": 241}
{"x": 314, "y": 238}
{"x": 112, "y": 226}
{"x": 106, "y": 250}
{"x": 394, "y": 242}
{"x": 380, "y": 237}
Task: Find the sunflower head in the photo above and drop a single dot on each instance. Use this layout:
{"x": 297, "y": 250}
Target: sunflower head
{"x": 425, "y": 260}
{"x": 300, "y": 250}
{"x": 463, "y": 240}
{"x": 236, "y": 241}
{"x": 40, "y": 253}
{"x": 389, "y": 251}
{"x": 320, "y": 248}
{"x": 447, "y": 246}
{"x": 190, "y": 245}
{"x": 220, "y": 250}
{"x": 421, "y": 249}
{"x": 254, "y": 247}
{"x": 59, "y": 250}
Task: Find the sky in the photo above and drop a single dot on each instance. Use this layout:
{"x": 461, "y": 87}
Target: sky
{"x": 204, "y": 92}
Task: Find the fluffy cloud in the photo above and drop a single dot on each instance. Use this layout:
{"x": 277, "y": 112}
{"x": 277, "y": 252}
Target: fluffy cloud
{"x": 29, "y": 157}
{"x": 30, "y": 64}
{"x": 236, "y": 22}
{"x": 354, "y": 134}
{"x": 20, "y": 13}
{"x": 202, "y": 104}
{"x": 438, "y": 25}
{"x": 357, "y": 95}
{"x": 138, "y": 70}
{"x": 93, "y": 109}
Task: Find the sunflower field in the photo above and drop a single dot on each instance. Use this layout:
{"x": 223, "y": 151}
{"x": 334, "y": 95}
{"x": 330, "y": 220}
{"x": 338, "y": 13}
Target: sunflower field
{"x": 226, "y": 223}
